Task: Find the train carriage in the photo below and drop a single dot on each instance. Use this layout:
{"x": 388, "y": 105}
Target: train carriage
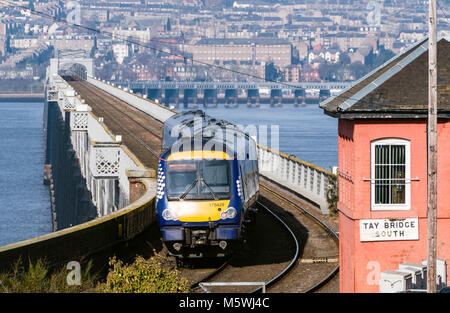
{"x": 207, "y": 183}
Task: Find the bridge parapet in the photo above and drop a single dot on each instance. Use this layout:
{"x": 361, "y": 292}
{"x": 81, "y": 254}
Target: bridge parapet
{"x": 308, "y": 180}
{"x": 102, "y": 159}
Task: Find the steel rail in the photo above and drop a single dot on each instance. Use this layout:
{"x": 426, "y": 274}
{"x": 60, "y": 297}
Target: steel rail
{"x": 322, "y": 224}
{"x": 196, "y": 285}
{"x": 279, "y": 275}
{"x": 291, "y": 265}
{"x": 114, "y": 105}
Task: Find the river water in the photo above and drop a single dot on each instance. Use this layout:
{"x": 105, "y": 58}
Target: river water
{"x": 24, "y": 199}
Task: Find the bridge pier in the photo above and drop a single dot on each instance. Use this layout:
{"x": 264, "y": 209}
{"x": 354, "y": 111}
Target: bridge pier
{"x": 171, "y": 96}
{"x": 275, "y": 98}
{"x": 190, "y": 97}
{"x": 210, "y": 98}
{"x": 231, "y": 98}
{"x": 154, "y": 94}
{"x": 253, "y": 97}
{"x": 324, "y": 94}
{"x": 271, "y": 92}
{"x": 139, "y": 91}
{"x": 300, "y": 97}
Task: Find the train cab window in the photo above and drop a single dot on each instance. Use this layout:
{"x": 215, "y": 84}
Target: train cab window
{"x": 180, "y": 175}
{"x": 216, "y": 175}
{"x": 198, "y": 179}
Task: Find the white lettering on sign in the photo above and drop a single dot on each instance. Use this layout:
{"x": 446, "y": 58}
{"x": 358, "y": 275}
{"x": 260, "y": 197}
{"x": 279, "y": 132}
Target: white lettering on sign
{"x": 389, "y": 229}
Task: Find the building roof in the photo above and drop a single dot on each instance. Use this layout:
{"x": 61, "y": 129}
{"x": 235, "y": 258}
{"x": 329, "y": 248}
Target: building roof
{"x": 398, "y": 88}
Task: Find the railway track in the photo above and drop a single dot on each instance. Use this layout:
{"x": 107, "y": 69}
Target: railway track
{"x": 251, "y": 272}
{"x": 329, "y": 234}
{"x": 277, "y": 274}
{"x": 142, "y": 134}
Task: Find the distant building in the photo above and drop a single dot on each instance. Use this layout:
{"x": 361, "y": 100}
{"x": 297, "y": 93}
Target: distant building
{"x": 24, "y": 42}
{"x": 310, "y": 76}
{"x": 357, "y": 55}
{"x": 141, "y": 35}
{"x": 328, "y": 55}
{"x": 243, "y": 51}
{"x": 79, "y": 42}
{"x": 292, "y": 73}
{"x": 120, "y": 52}
{"x": 143, "y": 72}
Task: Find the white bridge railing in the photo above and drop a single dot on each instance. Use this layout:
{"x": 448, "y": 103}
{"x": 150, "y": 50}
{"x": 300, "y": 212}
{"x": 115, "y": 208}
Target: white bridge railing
{"x": 306, "y": 179}
{"x": 103, "y": 161}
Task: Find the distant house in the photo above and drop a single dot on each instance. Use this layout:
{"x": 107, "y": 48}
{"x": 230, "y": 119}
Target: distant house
{"x": 382, "y": 144}
{"x": 329, "y": 55}
{"x": 357, "y": 55}
{"x": 310, "y": 76}
{"x": 120, "y": 52}
{"x": 292, "y": 73}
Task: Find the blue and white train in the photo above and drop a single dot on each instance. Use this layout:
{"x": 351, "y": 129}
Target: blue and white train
{"x": 207, "y": 183}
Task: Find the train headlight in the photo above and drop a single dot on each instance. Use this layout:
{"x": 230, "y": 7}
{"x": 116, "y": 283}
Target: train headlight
{"x": 168, "y": 215}
{"x": 229, "y": 213}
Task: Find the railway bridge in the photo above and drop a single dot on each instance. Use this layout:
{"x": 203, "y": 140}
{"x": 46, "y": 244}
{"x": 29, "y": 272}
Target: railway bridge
{"x": 102, "y": 148}
{"x": 232, "y": 94}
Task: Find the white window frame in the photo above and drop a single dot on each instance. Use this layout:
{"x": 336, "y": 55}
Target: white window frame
{"x": 383, "y": 206}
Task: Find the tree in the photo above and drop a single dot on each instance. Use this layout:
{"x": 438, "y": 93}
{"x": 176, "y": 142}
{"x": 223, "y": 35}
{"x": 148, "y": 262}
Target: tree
{"x": 344, "y": 59}
{"x": 358, "y": 69}
{"x": 382, "y": 57}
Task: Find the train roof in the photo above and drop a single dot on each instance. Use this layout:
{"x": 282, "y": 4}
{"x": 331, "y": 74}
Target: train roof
{"x": 197, "y": 124}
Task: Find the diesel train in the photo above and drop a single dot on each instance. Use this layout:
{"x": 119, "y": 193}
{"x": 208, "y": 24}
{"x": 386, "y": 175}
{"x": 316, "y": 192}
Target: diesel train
{"x": 208, "y": 181}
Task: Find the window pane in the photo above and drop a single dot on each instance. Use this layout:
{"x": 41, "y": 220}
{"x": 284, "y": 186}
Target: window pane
{"x": 398, "y": 194}
{"x": 398, "y": 171}
{"x": 390, "y": 174}
{"x": 397, "y": 154}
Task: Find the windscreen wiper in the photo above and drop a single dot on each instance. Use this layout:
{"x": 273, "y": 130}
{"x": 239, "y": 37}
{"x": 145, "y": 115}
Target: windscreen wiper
{"x": 210, "y": 189}
{"x": 188, "y": 190}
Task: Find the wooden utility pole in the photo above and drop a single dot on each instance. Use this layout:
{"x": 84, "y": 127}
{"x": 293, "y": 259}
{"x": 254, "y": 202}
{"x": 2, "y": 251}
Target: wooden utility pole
{"x": 432, "y": 149}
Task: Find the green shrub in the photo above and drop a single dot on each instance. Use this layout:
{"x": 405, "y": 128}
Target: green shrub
{"x": 333, "y": 194}
{"x": 38, "y": 278}
{"x": 143, "y": 276}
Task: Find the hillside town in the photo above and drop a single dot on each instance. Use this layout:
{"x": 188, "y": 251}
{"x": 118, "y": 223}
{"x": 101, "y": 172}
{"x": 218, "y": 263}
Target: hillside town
{"x": 194, "y": 40}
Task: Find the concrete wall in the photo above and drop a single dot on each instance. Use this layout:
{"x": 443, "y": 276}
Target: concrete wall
{"x": 76, "y": 242}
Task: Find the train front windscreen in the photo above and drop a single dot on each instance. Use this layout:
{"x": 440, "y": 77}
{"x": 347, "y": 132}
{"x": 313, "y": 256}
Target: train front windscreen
{"x": 198, "y": 179}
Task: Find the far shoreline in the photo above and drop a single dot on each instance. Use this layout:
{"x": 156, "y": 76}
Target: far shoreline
{"x": 22, "y": 97}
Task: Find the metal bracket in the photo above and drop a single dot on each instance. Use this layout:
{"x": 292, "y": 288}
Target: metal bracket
{"x": 373, "y": 180}
{"x": 228, "y": 284}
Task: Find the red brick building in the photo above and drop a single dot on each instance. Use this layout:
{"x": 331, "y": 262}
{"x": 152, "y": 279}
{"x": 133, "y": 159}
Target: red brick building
{"x": 383, "y": 167}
